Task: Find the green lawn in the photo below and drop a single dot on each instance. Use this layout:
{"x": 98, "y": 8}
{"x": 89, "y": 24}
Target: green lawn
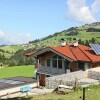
{"x": 27, "y": 70}
{"x": 92, "y": 93}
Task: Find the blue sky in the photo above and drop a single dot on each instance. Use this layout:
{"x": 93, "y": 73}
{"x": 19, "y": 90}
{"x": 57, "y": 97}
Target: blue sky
{"x": 24, "y": 20}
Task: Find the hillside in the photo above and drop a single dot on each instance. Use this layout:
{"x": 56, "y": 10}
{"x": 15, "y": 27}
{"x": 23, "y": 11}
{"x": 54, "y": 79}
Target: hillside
{"x": 84, "y": 33}
{"x": 15, "y": 54}
{"x": 7, "y": 51}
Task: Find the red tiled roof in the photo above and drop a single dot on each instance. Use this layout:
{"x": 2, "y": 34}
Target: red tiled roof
{"x": 93, "y": 57}
{"x": 80, "y": 53}
{"x": 65, "y": 51}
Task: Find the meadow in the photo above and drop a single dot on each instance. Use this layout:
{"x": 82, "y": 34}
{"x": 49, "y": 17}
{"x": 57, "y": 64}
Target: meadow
{"x": 92, "y": 93}
{"x": 27, "y": 70}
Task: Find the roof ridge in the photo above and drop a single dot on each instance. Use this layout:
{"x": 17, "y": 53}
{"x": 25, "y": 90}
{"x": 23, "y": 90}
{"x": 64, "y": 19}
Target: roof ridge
{"x": 85, "y": 54}
{"x": 73, "y": 54}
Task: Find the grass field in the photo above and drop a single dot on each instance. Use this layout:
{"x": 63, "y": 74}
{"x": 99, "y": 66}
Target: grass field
{"x": 92, "y": 93}
{"x": 27, "y": 70}
{"x": 10, "y": 49}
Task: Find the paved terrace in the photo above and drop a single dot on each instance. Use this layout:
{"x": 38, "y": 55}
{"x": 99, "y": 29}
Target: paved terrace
{"x": 6, "y": 83}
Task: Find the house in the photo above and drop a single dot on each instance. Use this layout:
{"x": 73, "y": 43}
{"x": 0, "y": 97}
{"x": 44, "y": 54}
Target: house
{"x": 63, "y": 59}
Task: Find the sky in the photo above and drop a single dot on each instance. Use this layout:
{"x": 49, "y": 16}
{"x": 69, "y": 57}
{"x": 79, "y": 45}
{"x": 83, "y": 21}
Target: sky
{"x": 26, "y": 20}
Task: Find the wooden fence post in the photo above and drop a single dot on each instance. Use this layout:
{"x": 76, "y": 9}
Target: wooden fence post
{"x": 83, "y": 93}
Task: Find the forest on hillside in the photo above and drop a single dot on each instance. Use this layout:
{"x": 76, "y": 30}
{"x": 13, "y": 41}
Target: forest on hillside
{"x": 19, "y": 58}
{"x": 85, "y": 34}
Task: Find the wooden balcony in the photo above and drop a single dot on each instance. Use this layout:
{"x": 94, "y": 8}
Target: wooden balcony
{"x": 51, "y": 70}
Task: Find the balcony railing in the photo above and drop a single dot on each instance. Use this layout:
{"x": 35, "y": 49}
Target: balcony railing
{"x": 51, "y": 70}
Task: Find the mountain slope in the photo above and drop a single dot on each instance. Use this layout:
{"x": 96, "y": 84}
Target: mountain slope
{"x": 85, "y": 33}
{"x": 8, "y": 51}
{"x": 88, "y": 33}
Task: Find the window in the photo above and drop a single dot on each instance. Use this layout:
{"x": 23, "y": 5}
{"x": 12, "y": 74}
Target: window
{"x": 54, "y": 62}
{"x": 48, "y": 62}
{"x": 57, "y": 62}
{"x": 60, "y": 64}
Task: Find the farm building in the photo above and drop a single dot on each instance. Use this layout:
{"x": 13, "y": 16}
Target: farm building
{"x": 63, "y": 59}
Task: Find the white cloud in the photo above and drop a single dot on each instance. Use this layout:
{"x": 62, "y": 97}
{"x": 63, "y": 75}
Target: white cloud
{"x": 21, "y": 38}
{"x": 24, "y": 35}
{"x": 1, "y": 33}
{"x": 96, "y": 6}
{"x": 15, "y": 38}
{"x": 28, "y": 34}
{"x": 79, "y": 11}
{"x": 19, "y": 34}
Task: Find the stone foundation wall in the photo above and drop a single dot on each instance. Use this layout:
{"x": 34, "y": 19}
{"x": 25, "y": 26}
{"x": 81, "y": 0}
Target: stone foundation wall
{"x": 64, "y": 79}
{"x": 94, "y": 75}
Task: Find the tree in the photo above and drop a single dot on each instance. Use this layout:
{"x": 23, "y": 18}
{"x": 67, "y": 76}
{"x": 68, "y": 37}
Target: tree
{"x": 93, "y": 40}
{"x": 87, "y": 43}
{"x": 1, "y": 64}
{"x": 80, "y": 41}
{"x": 12, "y": 62}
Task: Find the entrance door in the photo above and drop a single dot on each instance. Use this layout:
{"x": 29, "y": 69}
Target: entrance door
{"x": 81, "y": 66}
{"x": 67, "y": 66}
{"x": 42, "y": 79}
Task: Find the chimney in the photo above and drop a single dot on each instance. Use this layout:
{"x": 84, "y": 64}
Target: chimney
{"x": 75, "y": 43}
{"x": 63, "y": 42}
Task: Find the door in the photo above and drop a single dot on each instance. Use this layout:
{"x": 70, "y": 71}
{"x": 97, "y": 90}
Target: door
{"x": 42, "y": 79}
{"x": 81, "y": 66}
{"x": 67, "y": 66}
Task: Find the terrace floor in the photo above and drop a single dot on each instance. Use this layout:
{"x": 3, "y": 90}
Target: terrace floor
{"x": 6, "y": 83}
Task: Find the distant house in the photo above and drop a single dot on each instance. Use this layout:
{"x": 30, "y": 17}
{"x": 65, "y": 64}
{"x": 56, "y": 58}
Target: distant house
{"x": 64, "y": 59}
{"x": 29, "y": 54}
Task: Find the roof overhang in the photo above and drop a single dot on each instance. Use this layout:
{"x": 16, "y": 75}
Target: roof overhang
{"x": 50, "y": 49}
